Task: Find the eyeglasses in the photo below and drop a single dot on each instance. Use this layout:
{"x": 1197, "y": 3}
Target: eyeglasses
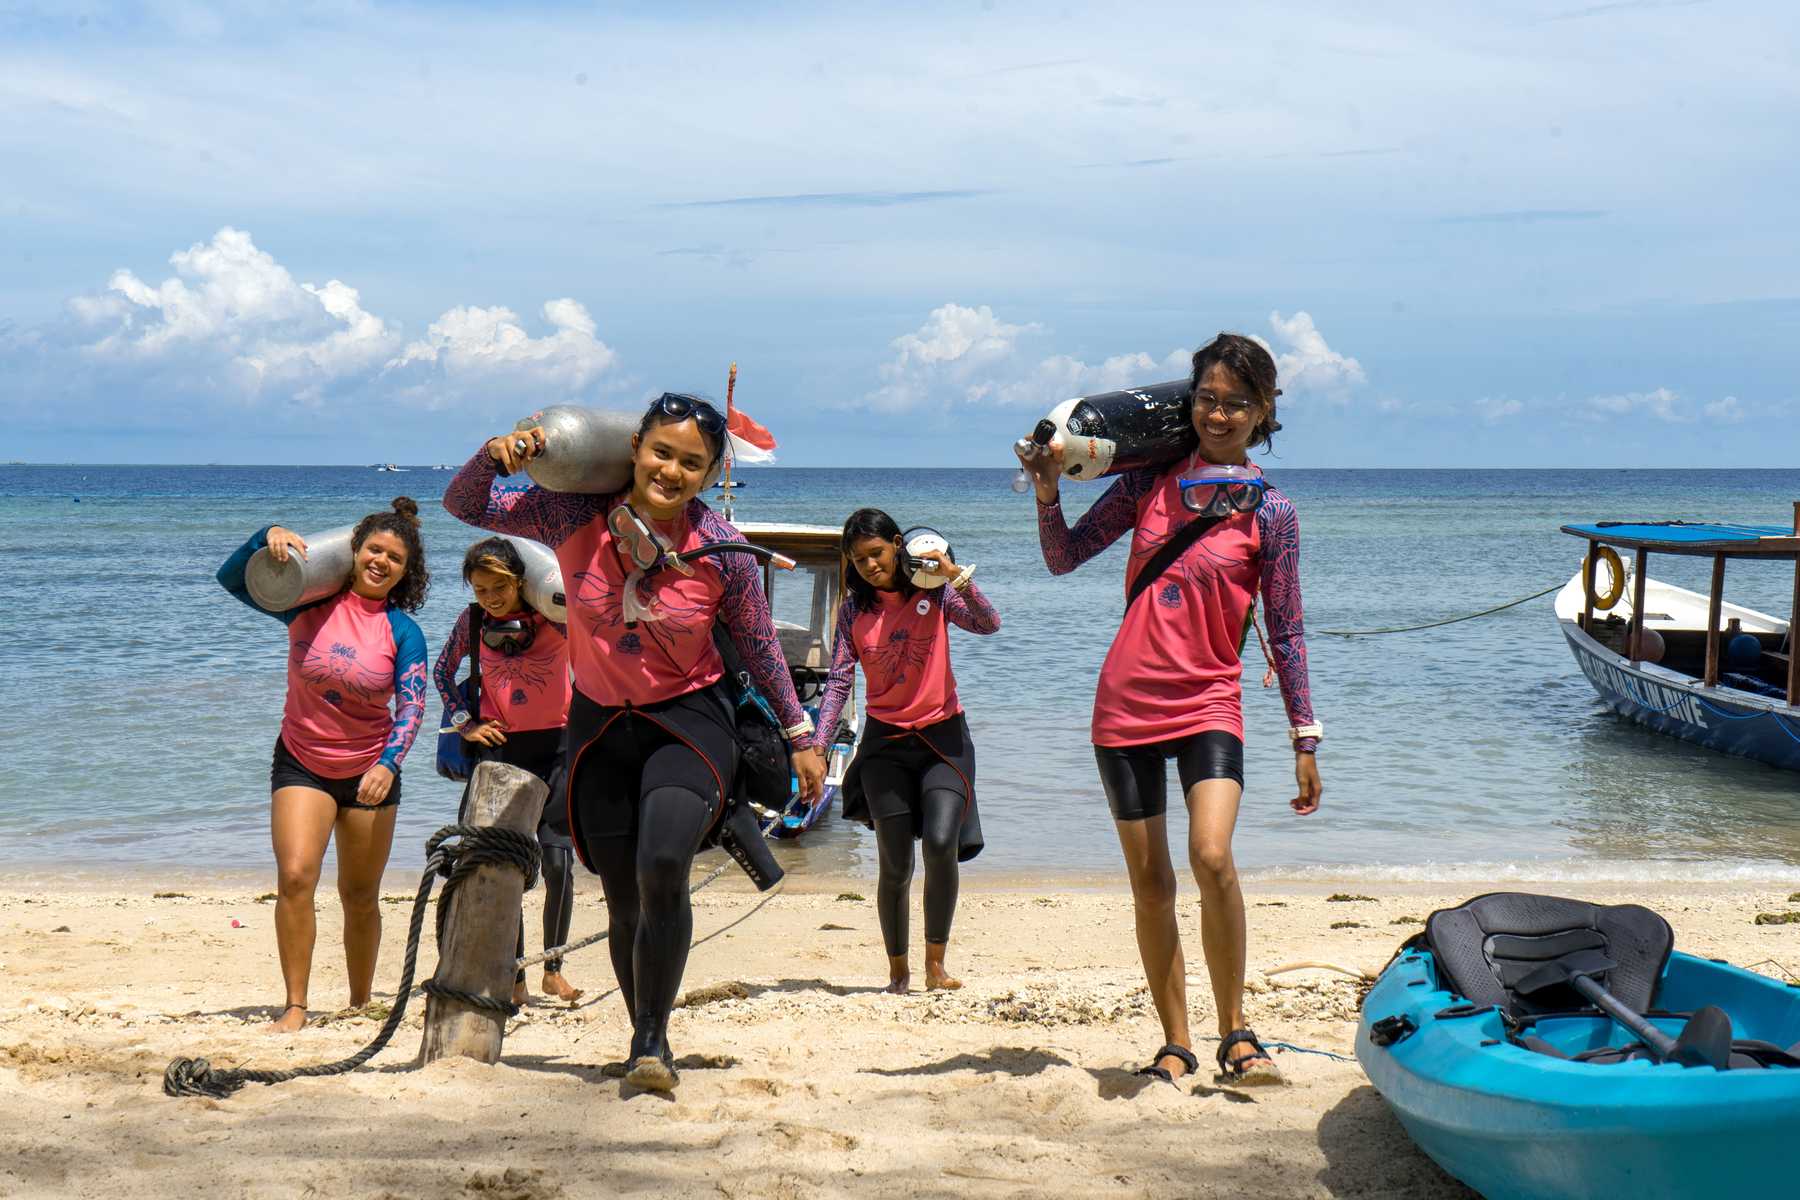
{"x": 680, "y": 407}
{"x": 1221, "y": 491}
{"x": 1231, "y": 406}
{"x": 510, "y": 637}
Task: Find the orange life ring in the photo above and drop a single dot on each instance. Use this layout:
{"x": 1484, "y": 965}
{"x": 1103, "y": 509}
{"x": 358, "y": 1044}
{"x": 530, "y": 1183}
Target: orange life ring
{"x": 1615, "y": 570}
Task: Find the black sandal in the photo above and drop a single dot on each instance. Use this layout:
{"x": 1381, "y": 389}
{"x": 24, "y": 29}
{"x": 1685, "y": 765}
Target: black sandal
{"x": 1244, "y": 1071}
{"x": 1170, "y": 1051}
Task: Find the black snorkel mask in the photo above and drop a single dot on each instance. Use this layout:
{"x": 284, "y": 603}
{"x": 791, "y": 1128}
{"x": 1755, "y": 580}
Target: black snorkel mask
{"x": 510, "y": 637}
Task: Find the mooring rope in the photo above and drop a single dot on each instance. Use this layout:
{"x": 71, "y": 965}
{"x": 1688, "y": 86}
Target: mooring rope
{"x": 1449, "y": 621}
{"x": 455, "y": 861}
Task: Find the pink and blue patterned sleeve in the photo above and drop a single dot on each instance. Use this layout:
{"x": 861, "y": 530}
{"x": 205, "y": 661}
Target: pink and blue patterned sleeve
{"x": 744, "y": 611}
{"x": 443, "y": 674}
{"x": 1110, "y": 518}
{"x": 1279, "y": 528}
{"x": 843, "y": 674}
{"x": 970, "y": 610}
{"x": 409, "y": 688}
{"x": 478, "y": 495}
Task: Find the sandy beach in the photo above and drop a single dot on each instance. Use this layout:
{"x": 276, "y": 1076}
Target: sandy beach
{"x": 798, "y": 1077}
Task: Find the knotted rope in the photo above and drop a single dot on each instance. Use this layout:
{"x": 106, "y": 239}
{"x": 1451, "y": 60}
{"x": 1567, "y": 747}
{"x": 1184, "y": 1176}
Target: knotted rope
{"x": 453, "y": 852}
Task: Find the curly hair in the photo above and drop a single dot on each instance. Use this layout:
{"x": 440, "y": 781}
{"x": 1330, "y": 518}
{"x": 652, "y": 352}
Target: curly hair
{"x": 403, "y": 522}
{"x": 1250, "y": 361}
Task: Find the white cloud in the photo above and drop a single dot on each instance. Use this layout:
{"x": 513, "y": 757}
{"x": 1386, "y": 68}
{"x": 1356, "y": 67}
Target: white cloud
{"x": 966, "y": 355}
{"x": 956, "y": 355}
{"x": 1305, "y": 364}
{"x": 1663, "y": 404}
{"x": 233, "y": 324}
{"x": 1726, "y": 411}
{"x": 477, "y": 344}
{"x": 1494, "y": 409}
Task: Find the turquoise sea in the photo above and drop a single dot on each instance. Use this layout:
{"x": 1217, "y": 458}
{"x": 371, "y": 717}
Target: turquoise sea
{"x": 142, "y": 702}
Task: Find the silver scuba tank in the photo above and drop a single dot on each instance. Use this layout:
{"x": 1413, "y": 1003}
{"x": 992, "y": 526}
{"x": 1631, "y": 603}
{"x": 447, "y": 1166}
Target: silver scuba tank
{"x": 543, "y": 584}
{"x": 277, "y": 586}
{"x": 1112, "y": 432}
{"x": 916, "y": 541}
{"x": 585, "y": 449}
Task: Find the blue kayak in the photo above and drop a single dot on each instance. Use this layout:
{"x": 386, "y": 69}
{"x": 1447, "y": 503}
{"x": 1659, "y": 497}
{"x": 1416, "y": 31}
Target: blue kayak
{"x": 1529, "y": 1091}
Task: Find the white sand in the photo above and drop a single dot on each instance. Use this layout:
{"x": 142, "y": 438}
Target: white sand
{"x": 801, "y": 1081}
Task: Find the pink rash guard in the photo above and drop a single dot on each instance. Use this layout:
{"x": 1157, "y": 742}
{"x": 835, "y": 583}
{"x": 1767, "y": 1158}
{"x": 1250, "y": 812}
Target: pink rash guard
{"x": 904, "y": 649}
{"x": 1174, "y": 668}
{"x": 524, "y": 691}
{"x": 348, "y": 657}
{"x": 667, "y": 653}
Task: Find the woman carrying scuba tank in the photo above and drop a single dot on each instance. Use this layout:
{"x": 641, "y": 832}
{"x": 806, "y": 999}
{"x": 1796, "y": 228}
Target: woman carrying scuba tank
{"x": 914, "y": 772}
{"x": 1207, "y": 534}
{"x": 336, "y": 768}
{"x": 652, "y": 743}
{"x": 524, "y": 700}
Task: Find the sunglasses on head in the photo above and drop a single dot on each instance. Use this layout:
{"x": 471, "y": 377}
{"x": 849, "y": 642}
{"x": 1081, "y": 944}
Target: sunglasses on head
{"x": 680, "y": 407}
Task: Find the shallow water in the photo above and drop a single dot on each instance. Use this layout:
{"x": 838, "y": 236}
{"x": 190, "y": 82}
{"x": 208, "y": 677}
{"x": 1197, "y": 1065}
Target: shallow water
{"x": 145, "y": 701}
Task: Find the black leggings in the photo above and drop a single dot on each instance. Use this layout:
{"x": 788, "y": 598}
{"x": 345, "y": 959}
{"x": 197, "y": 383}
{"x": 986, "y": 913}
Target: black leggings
{"x": 929, "y": 805}
{"x": 649, "y": 919}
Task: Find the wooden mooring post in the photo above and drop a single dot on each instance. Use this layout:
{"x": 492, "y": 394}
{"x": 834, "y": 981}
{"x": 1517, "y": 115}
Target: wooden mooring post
{"x": 481, "y": 928}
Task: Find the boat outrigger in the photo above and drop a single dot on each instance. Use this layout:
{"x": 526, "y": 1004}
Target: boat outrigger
{"x": 1678, "y": 662}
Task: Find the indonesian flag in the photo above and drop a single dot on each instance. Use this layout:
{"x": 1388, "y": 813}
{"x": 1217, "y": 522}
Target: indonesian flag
{"x": 751, "y": 441}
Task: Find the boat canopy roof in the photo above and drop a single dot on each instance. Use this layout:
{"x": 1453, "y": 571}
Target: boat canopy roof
{"x": 1691, "y": 537}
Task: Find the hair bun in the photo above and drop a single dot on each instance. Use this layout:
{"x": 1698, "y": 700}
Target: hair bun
{"x": 407, "y": 507}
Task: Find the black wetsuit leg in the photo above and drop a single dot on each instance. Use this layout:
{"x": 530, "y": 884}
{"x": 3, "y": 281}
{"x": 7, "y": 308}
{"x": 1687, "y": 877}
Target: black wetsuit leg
{"x": 614, "y": 859}
{"x": 893, "y": 790}
{"x": 671, "y": 823}
{"x": 559, "y": 900}
{"x": 941, "y": 804}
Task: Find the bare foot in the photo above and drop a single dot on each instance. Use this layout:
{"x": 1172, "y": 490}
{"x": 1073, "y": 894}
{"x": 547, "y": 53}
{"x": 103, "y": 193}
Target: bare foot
{"x": 559, "y": 988}
{"x": 291, "y": 1020}
{"x": 939, "y": 980}
{"x": 520, "y": 995}
{"x": 899, "y": 985}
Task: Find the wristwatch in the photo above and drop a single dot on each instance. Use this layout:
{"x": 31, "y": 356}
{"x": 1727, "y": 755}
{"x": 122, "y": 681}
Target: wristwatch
{"x": 795, "y": 732}
{"x": 962, "y": 578}
{"x": 1314, "y": 731}
{"x": 459, "y": 719}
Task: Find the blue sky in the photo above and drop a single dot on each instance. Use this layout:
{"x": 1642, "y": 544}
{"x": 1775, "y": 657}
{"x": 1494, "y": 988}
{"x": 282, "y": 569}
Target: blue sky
{"x": 1533, "y": 234}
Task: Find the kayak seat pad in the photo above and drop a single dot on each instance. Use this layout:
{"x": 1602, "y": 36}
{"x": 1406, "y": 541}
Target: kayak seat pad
{"x": 1484, "y": 947}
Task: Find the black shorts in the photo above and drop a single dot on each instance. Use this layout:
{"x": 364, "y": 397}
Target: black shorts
{"x": 287, "y": 771}
{"x": 1136, "y": 778}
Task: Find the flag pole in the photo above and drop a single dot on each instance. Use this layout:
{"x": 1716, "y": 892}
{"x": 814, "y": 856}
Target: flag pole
{"x": 730, "y": 392}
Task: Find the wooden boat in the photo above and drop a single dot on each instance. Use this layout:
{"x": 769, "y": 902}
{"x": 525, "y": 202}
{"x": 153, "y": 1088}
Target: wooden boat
{"x": 804, "y": 603}
{"x": 1695, "y": 675}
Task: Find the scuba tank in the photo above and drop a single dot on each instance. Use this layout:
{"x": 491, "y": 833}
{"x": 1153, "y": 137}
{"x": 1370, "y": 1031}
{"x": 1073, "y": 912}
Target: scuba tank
{"x": 585, "y": 449}
{"x": 277, "y": 586}
{"x": 1112, "y": 432}
{"x": 916, "y": 541}
{"x": 543, "y": 584}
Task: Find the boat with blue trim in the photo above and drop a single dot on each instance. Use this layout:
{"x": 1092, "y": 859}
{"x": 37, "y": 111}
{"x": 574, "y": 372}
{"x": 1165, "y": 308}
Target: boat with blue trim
{"x": 1678, "y": 662}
